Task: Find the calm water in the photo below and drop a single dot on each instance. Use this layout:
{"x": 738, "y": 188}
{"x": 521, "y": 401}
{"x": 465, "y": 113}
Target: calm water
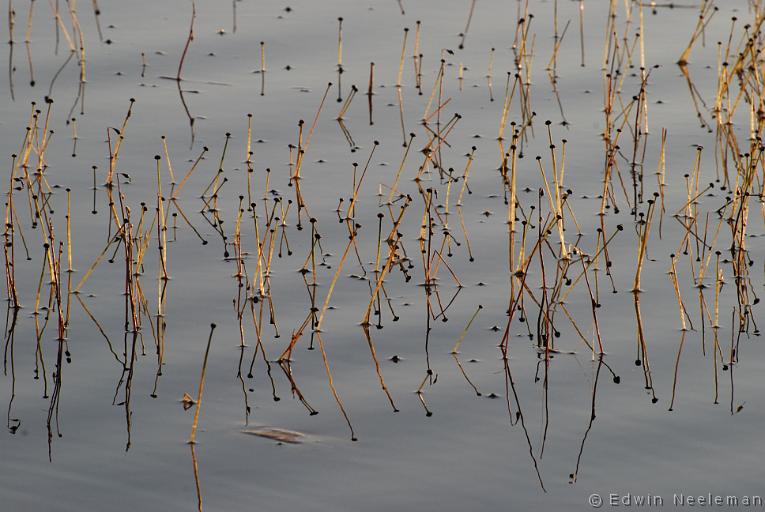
{"x": 470, "y": 454}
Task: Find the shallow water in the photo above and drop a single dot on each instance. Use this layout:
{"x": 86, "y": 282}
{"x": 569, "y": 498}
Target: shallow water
{"x": 471, "y": 453}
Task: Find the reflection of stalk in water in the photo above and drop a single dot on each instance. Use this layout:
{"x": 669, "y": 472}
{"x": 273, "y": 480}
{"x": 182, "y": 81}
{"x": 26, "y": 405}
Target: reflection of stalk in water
{"x": 417, "y": 58}
{"x": 75, "y": 138}
{"x": 463, "y": 35}
{"x": 194, "y": 464}
{"x": 340, "y": 121}
{"x": 58, "y": 72}
{"x": 420, "y": 394}
{"x": 573, "y": 476}
{"x": 554, "y": 85}
{"x": 593, "y": 307}
{"x": 54, "y": 269}
{"x": 144, "y": 64}
{"x": 287, "y": 369}
{"x": 79, "y": 49}
{"x": 262, "y": 65}
{"x": 59, "y": 23}
{"x": 552, "y": 65}
{"x": 9, "y": 242}
{"x": 581, "y": 30}
{"x": 464, "y": 374}
{"x": 643, "y": 229}
{"x": 39, "y": 330}
{"x": 130, "y": 370}
{"x": 377, "y": 366}
{"x": 340, "y": 69}
{"x": 55, "y": 400}
{"x": 370, "y": 91}
{"x": 347, "y": 104}
{"x": 200, "y": 391}
{"x": 11, "y": 317}
{"x": 178, "y": 78}
{"x": 28, "y": 43}
{"x": 677, "y": 367}
{"x": 399, "y": 87}
{"x": 733, "y": 354}
{"x": 490, "y": 75}
{"x": 456, "y": 350}
{"x": 642, "y": 355}
{"x": 240, "y": 378}
{"x": 510, "y": 383}
{"x": 11, "y": 69}
{"x": 100, "y": 328}
{"x": 706, "y": 11}
{"x": 97, "y": 16}
{"x": 458, "y": 344}
{"x": 258, "y": 322}
{"x": 240, "y": 305}
{"x": 302, "y": 148}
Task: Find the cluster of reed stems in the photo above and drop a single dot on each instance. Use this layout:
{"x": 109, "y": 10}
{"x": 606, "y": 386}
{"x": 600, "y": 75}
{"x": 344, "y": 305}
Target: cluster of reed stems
{"x": 553, "y": 264}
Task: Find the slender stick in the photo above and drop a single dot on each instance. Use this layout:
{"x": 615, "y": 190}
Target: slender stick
{"x": 193, "y": 435}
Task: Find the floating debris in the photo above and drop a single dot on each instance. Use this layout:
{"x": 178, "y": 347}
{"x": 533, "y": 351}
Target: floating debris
{"x": 281, "y": 435}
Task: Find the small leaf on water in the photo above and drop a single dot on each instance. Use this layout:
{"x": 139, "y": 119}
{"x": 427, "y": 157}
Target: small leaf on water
{"x": 187, "y": 401}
